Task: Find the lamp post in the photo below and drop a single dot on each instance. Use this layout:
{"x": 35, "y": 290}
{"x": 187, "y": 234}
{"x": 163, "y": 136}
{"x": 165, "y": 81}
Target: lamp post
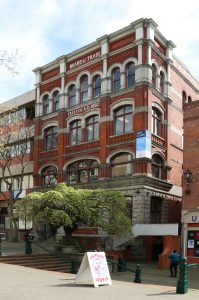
{"x": 188, "y": 180}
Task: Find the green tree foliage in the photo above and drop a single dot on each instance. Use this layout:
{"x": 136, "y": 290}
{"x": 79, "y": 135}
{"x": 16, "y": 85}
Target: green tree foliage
{"x": 65, "y": 206}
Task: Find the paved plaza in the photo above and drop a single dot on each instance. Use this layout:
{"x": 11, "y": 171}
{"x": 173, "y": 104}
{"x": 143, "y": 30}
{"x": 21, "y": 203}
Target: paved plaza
{"x": 21, "y": 283}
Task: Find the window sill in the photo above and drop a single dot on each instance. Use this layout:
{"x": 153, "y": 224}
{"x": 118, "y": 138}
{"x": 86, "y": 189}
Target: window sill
{"x": 121, "y": 134}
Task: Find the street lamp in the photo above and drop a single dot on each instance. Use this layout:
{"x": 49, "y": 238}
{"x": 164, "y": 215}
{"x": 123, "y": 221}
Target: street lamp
{"x": 188, "y": 176}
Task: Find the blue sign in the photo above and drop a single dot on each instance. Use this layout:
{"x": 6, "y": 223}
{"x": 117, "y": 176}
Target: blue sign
{"x": 143, "y": 144}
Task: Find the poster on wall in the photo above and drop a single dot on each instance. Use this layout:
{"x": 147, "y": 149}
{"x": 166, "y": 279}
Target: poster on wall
{"x": 94, "y": 269}
{"x": 190, "y": 244}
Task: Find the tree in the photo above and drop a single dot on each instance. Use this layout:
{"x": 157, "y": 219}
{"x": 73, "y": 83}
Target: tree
{"x": 15, "y": 143}
{"x": 65, "y": 206}
{"x": 10, "y": 61}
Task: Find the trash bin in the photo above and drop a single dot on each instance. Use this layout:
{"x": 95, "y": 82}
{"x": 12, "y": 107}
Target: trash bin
{"x": 121, "y": 264}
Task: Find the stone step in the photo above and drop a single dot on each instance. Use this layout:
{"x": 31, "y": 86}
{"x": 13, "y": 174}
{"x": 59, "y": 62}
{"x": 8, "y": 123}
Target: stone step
{"x": 38, "y": 261}
{"x": 28, "y": 257}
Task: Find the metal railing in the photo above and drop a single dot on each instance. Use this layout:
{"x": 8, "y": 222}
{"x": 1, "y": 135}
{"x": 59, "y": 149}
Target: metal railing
{"x": 122, "y": 267}
{"x": 73, "y": 261}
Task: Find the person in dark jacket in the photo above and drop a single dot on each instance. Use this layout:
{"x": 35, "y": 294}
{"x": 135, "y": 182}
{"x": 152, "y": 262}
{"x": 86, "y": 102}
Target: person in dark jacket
{"x": 174, "y": 262}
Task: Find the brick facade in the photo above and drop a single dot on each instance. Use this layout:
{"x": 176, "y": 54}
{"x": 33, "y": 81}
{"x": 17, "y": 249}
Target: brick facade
{"x": 190, "y": 204}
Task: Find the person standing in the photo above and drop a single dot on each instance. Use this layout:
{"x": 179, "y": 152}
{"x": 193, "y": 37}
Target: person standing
{"x": 174, "y": 262}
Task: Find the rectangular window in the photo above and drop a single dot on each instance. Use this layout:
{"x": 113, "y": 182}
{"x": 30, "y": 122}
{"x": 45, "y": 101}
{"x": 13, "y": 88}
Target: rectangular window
{"x": 156, "y": 207}
{"x": 193, "y": 243}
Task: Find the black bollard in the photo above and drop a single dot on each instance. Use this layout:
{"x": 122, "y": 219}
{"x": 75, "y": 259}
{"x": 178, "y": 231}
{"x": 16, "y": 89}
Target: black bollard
{"x": 182, "y": 285}
{"x": 137, "y": 274}
{"x": 74, "y": 266}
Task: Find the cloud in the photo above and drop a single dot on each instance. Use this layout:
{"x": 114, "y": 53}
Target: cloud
{"x": 45, "y": 29}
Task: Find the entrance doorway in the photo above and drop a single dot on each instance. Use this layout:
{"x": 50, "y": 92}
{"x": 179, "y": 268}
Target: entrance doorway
{"x": 157, "y": 248}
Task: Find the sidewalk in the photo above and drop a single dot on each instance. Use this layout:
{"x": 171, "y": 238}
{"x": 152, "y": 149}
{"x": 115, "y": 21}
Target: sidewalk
{"x": 21, "y": 283}
{"x": 149, "y": 273}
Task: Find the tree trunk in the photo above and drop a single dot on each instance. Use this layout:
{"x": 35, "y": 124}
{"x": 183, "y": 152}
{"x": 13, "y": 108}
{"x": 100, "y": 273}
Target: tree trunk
{"x": 13, "y": 229}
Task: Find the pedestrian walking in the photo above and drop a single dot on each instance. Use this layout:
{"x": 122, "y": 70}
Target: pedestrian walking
{"x": 174, "y": 262}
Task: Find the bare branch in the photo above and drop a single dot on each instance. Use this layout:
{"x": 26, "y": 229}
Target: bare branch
{"x": 10, "y": 61}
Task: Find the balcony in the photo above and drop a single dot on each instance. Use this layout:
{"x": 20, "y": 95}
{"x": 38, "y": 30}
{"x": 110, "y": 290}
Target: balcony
{"x": 122, "y": 138}
{"x": 157, "y": 140}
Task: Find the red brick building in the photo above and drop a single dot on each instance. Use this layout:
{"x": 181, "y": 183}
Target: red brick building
{"x": 109, "y": 115}
{"x": 92, "y": 104}
{"x": 190, "y": 203}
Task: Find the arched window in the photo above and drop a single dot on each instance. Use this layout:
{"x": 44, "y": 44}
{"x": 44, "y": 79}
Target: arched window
{"x": 154, "y": 74}
{"x": 92, "y": 128}
{"x": 189, "y": 99}
{"x": 157, "y": 166}
{"x": 83, "y": 171}
{"x": 130, "y": 74}
{"x": 72, "y": 95}
{"x": 50, "y": 138}
{"x": 96, "y": 86}
{"x": 156, "y": 210}
{"x": 184, "y": 97}
{"x": 116, "y": 80}
{"x": 46, "y": 103}
{"x": 162, "y": 79}
{"x": 56, "y": 103}
{"x": 121, "y": 165}
{"x": 76, "y": 132}
{"x": 156, "y": 121}
{"x": 84, "y": 88}
{"x": 123, "y": 118}
{"x": 49, "y": 176}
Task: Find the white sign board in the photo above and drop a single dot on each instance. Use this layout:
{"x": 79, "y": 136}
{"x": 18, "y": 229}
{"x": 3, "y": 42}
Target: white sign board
{"x": 94, "y": 269}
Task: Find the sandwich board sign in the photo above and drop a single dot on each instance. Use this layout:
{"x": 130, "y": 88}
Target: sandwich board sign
{"x": 94, "y": 269}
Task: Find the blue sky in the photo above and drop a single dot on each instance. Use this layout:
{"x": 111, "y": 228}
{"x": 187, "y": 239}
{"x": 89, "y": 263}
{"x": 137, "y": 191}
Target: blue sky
{"x": 43, "y": 30}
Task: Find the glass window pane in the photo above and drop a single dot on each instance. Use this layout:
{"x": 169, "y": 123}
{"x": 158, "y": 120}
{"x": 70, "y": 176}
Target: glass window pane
{"x": 84, "y": 88}
{"x": 116, "y": 80}
{"x": 119, "y": 125}
{"x": 128, "y": 109}
{"x": 79, "y": 135}
{"x": 72, "y": 177}
{"x": 130, "y": 75}
{"x": 83, "y": 176}
{"x": 90, "y": 133}
{"x": 122, "y": 170}
{"x": 73, "y": 137}
{"x": 72, "y": 95}
{"x": 97, "y": 86}
{"x": 96, "y": 131}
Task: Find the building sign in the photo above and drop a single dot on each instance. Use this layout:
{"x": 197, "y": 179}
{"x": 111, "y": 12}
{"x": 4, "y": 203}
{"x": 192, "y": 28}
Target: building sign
{"x": 84, "y": 60}
{"x": 94, "y": 269}
{"x": 191, "y": 217}
{"x": 83, "y": 109}
{"x": 143, "y": 144}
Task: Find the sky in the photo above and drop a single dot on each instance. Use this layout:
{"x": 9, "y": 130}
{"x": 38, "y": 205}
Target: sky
{"x": 42, "y": 30}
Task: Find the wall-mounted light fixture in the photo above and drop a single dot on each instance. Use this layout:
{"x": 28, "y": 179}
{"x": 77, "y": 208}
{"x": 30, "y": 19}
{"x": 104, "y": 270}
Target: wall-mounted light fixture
{"x": 188, "y": 176}
{"x": 188, "y": 180}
